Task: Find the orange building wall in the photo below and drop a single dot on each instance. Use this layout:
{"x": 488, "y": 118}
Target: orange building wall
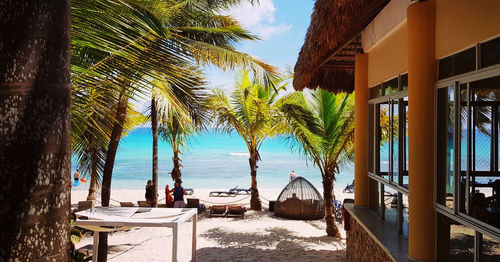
{"x": 389, "y": 58}
{"x": 463, "y": 23}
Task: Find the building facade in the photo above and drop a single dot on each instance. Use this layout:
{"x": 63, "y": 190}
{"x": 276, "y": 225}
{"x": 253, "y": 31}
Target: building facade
{"x": 426, "y": 76}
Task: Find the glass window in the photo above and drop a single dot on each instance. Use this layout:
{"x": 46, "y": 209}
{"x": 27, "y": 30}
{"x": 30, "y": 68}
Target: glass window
{"x": 405, "y": 162}
{"x": 490, "y": 249}
{"x": 391, "y": 206}
{"x": 455, "y": 242}
{"x": 445, "y": 148}
{"x": 458, "y": 63}
{"x": 384, "y": 137}
{"x": 375, "y": 92}
{"x": 394, "y": 140}
{"x": 404, "y": 82}
{"x": 490, "y": 52}
{"x": 390, "y": 86}
{"x": 405, "y": 216}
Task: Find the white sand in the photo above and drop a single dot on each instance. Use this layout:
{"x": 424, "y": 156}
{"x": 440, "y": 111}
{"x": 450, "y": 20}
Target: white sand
{"x": 260, "y": 236}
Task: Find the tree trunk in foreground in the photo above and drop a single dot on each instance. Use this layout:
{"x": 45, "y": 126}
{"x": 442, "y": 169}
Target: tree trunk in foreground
{"x": 176, "y": 171}
{"x": 34, "y": 130}
{"x": 255, "y": 203}
{"x": 154, "y": 129}
{"x": 331, "y": 228}
{"x": 116, "y": 134}
{"x": 93, "y": 176}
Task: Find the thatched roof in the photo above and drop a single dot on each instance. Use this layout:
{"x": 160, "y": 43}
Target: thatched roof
{"x": 326, "y": 59}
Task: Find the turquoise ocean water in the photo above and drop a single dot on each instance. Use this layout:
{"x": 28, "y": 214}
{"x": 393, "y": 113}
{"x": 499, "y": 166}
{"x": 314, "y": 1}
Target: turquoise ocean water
{"x": 214, "y": 160}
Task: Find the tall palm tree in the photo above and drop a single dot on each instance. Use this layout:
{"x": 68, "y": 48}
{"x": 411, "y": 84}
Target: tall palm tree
{"x": 255, "y": 112}
{"x": 34, "y": 136}
{"x": 329, "y": 142}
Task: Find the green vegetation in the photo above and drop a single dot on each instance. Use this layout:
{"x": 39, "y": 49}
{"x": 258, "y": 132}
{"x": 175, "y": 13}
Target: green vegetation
{"x": 327, "y": 138}
{"x": 255, "y": 112}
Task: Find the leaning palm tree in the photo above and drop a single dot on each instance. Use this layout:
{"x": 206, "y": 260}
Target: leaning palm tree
{"x": 254, "y": 111}
{"x": 329, "y": 143}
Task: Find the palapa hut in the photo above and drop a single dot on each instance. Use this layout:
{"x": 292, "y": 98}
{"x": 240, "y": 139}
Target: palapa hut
{"x": 300, "y": 200}
{"x": 424, "y": 73}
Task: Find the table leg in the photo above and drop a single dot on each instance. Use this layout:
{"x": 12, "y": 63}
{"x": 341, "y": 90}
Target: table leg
{"x": 96, "y": 246}
{"x": 175, "y": 230}
{"x": 193, "y": 254}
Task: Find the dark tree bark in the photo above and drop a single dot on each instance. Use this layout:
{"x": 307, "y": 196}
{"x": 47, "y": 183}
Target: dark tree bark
{"x": 331, "y": 228}
{"x": 116, "y": 134}
{"x": 34, "y": 130}
{"x": 176, "y": 170}
{"x": 154, "y": 128}
{"x": 93, "y": 176}
{"x": 255, "y": 203}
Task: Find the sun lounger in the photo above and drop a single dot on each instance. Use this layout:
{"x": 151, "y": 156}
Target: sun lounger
{"x": 222, "y": 194}
{"x": 83, "y": 205}
{"x": 217, "y": 211}
{"x": 143, "y": 204}
{"x": 236, "y": 211}
{"x": 240, "y": 191}
{"x": 126, "y": 204}
{"x": 189, "y": 191}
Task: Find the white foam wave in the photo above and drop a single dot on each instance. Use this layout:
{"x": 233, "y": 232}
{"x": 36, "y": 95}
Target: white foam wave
{"x": 239, "y": 154}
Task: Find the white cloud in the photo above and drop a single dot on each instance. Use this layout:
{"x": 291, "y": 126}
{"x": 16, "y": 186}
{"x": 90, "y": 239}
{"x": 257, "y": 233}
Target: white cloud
{"x": 259, "y": 18}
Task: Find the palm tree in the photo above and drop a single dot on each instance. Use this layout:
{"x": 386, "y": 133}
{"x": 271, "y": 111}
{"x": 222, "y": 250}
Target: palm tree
{"x": 34, "y": 136}
{"x": 144, "y": 41}
{"x": 255, "y": 112}
{"x": 329, "y": 142}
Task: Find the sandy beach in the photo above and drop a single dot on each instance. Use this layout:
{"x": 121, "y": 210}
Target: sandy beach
{"x": 260, "y": 236}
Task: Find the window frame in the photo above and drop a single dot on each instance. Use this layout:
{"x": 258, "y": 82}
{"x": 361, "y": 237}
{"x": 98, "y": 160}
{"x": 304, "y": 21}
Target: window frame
{"x": 481, "y": 227}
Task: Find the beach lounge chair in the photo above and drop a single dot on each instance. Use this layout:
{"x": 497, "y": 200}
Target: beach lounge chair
{"x": 222, "y": 194}
{"x": 236, "y": 211}
{"x": 349, "y": 188}
{"x": 240, "y": 191}
{"x": 83, "y": 205}
{"x": 126, "y": 204}
{"x": 143, "y": 204}
{"x": 189, "y": 191}
{"x": 217, "y": 210}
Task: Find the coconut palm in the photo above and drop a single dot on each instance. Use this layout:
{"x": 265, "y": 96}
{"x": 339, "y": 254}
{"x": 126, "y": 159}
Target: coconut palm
{"x": 175, "y": 119}
{"x": 145, "y": 41}
{"x": 331, "y": 145}
{"x": 34, "y": 136}
{"x": 255, "y": 112}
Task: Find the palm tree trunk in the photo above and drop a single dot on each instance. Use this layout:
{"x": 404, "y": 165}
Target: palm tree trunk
{"x": 176, "y": 171}
{"x": 34, "y": 130}
{"x": 121, "y": 114}
{"x": 154, "y": 129}
{"x": 255, "y": 203}
{"x": 93, "y": 176}
{"x": 331, "y": 228}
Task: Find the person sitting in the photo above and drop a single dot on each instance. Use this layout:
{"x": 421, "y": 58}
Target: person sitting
{"x": 179, "y": 193}
{"x": 149, "y": 192}
{"x": 293, "y": 176}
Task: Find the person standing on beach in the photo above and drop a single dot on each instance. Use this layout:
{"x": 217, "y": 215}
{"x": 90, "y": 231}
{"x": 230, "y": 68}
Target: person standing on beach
{"x": 149, "y": 192}
{"x": 293, "y": 176}
{"x": 168, "y": 198}
{"x": 76, "y": 176}
{"x": 179, "y": 193}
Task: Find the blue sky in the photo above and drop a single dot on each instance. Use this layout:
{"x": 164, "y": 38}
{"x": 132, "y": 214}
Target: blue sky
{"x": 282, "y": 25}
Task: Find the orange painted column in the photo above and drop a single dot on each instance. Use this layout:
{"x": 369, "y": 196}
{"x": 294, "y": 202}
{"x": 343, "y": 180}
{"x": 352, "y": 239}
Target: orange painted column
{"x": 421, "y": 20}
{"x": 361, "y": 198}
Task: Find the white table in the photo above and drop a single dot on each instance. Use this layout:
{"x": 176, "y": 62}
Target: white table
{"x": 126, "y": 217}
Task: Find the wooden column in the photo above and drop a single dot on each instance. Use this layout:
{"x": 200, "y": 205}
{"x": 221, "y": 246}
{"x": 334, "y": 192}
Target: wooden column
{"x": 421, "y": 89}
{"x": 361, "y": 132}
